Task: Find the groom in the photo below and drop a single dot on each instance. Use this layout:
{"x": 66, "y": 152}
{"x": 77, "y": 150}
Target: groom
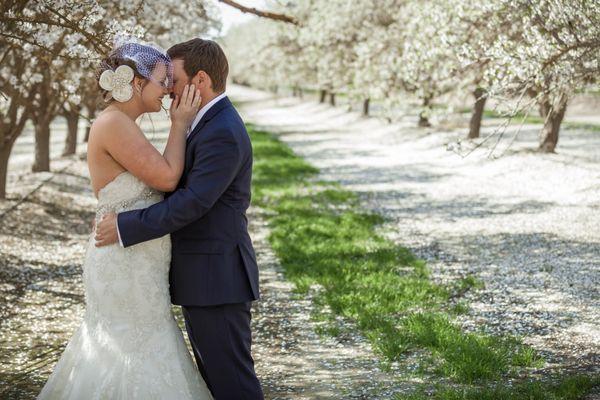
{"x": 214, "y": 275}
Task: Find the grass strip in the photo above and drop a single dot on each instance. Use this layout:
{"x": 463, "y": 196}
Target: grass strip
{"x": 326, "y": 243}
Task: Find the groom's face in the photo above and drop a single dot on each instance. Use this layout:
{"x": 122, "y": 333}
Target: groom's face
{"x": 180, "y": 78}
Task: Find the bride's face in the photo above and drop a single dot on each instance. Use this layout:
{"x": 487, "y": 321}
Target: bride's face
{"x": 155, "y": 89}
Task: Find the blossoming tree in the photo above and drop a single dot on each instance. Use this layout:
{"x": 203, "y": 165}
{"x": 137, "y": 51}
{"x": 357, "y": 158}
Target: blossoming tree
{"x": 524, "y": 54}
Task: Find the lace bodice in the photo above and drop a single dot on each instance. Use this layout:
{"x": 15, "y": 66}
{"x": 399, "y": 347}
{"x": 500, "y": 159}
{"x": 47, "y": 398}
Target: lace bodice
{"x": 125, "y": 192}
{"x": 128, "y": 281}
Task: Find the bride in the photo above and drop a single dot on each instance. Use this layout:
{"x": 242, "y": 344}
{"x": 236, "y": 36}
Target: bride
{"x": 129, "y": 345}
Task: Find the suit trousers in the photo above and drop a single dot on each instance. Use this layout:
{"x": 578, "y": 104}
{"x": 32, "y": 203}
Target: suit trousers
{"x": 221, "y": 339}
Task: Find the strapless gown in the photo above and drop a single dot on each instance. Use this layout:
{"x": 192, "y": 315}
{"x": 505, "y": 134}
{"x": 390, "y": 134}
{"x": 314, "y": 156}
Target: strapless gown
{"x": 129, "y": 345}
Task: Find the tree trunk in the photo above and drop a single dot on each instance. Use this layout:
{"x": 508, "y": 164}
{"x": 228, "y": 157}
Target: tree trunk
{"x": 477, "y": 115}
{"x": 322, "y": 96}
{"x": 332, "y": 99}
{"x": 42, "y": 146}
{"x": 10, "y": 129}
{"x": 423, "y": 118}
{"x": 71, "y": 140}
{"x": 553, "y": 117}
{"x": 90, "y": 113}
{"x": 4, "y": 156}
{"x": 365, "y": 112}
{"x": 87, "y": 133}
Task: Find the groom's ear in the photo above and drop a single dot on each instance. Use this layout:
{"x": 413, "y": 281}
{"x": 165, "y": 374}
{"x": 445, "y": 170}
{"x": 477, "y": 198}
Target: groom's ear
{"x": 202, "y": 80}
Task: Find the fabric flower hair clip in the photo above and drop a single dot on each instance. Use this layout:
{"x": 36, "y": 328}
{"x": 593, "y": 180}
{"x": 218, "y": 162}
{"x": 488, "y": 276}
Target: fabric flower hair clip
{"x": 118, "y": 83}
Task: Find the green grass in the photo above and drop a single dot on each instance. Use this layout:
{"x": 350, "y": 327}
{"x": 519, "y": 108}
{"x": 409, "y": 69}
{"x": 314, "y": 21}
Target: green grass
{"x": 568, "y": 388}
{"x": 329, "y": 247}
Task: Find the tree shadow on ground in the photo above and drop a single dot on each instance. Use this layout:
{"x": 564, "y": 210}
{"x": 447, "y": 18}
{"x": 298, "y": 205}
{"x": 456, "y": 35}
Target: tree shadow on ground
{"x": 44, "y": 219}
{"x": 20, "y": 276}
{"x": 548, "y": 278}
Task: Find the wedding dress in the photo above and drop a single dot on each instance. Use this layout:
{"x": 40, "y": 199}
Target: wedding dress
{"x": 129, "y": 345}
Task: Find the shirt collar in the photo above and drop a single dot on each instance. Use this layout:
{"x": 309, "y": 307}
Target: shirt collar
{"x": 204, "y": 110}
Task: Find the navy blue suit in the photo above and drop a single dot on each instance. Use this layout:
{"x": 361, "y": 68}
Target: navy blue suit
{"x": 213, "y": 275}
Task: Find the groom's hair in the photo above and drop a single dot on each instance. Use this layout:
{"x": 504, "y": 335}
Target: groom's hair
{"x": 203, "y": 55}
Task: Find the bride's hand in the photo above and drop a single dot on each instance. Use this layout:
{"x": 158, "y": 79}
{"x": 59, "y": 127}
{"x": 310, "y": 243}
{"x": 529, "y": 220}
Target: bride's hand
{"x": 183, "y": 110}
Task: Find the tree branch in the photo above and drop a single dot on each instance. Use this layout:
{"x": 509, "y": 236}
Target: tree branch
{"x": 590, "y": 44}
{"x": 98, "y": 43}
{"x": 264, "y": 14}
{"x": 46, "y": 49}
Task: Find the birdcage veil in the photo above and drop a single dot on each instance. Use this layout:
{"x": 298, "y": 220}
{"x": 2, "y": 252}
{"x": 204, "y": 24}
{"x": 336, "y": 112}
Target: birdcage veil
{"x": 130, "y": 55}
{"x": 145, "y": 55}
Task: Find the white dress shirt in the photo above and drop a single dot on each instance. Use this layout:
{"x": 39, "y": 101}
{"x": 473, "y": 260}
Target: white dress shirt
{"x": 199, "y": 116}
{"x": 203, "y": 111}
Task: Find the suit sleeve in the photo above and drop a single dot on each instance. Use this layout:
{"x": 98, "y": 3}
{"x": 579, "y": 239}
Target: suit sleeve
{"x": 215, "y": 166}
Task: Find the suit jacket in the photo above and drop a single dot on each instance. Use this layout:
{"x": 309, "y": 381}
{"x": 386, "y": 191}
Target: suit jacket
{"x": 213, "y": 261}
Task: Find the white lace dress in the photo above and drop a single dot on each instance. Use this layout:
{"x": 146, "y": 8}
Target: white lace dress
{"x": 128, "y": 345}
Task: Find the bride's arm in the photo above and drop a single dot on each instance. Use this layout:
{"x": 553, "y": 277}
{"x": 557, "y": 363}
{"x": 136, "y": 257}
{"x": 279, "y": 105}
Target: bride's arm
{"x": 126, "y": 144}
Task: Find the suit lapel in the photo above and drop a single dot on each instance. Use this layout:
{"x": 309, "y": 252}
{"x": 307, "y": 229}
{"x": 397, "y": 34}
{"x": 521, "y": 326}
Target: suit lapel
{"x": 214, "y": 110}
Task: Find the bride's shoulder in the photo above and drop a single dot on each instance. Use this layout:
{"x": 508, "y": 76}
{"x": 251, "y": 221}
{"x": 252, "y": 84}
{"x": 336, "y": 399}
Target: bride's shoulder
{"x": 112, "y": 119}
{"x": 110, "y": 122}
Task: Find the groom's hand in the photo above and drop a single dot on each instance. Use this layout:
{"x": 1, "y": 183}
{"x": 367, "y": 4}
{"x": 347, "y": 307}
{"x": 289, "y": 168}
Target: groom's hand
{"x": 106, "y": 231}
